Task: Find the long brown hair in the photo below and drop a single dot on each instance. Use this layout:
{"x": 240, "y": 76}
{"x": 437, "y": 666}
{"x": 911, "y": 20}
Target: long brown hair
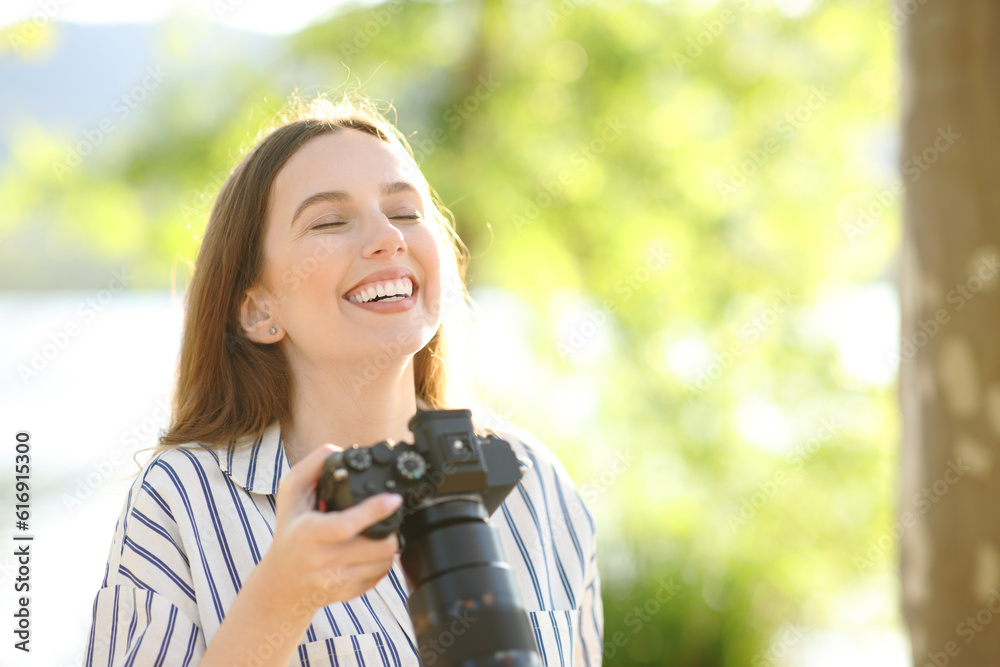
{"x": 228, "y": 386}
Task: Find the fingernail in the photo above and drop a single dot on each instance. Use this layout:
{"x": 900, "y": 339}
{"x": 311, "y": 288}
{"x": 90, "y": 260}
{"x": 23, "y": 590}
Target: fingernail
{"x": 392, "y": 501}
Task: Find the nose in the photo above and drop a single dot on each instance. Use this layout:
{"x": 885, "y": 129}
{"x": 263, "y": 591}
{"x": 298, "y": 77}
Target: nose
{"x": 384, "y": 240}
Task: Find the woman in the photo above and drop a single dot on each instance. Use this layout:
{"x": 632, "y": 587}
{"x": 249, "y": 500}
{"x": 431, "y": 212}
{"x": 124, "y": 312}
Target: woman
{"x": 316, "y": 315}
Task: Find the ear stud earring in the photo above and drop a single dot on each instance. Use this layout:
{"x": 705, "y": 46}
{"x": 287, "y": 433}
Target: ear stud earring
{"x": 272, "y": 330}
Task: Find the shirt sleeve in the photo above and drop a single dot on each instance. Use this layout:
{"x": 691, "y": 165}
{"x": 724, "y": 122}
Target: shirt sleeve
{"x": 145, "y": 612}
{"x": 575, "y": 528}
{"x": 591, "y": 615}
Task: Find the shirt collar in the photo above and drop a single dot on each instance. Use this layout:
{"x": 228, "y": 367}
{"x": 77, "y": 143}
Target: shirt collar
{"x": 257, "y": 463}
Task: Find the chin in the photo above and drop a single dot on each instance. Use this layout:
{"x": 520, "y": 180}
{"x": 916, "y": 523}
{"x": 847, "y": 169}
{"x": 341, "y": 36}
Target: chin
{"x": 397, "y": 342}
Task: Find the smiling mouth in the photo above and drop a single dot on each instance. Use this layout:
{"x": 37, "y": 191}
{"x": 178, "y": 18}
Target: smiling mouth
{"x": 384, "y": 291}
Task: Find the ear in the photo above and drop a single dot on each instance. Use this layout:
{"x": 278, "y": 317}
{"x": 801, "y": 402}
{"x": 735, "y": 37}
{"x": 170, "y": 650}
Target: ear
{"x": 257, "y": 318}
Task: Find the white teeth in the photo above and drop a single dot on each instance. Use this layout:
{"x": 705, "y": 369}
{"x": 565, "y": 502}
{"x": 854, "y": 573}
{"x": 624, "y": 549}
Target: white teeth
{"x": 396, "y": 291}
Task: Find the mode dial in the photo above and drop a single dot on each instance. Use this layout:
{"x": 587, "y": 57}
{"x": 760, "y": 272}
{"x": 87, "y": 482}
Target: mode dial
{"x": 358, "y": 459}
{"x": 411, "y": 465}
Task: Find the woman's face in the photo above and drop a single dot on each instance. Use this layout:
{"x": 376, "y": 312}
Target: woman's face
{"x": 352, "y": 266}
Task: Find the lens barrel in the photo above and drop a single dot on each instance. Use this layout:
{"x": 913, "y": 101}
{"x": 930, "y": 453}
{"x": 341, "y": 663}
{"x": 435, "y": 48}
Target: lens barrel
{"x": 464, "y": 601}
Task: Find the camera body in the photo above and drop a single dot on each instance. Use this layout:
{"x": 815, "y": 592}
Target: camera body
{"x": 447, "y": 458}
{"x": 451, "y": 480}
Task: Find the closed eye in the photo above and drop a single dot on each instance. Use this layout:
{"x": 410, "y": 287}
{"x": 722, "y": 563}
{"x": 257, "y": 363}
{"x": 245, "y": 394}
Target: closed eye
{"x": 414, "y": 216}
{"x": 332, "y": 223}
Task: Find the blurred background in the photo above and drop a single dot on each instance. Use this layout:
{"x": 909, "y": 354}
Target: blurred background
{"x": 684, "y": 233}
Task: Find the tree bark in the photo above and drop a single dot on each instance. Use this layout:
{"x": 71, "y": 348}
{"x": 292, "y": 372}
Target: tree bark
{"x": 949, "y": 380}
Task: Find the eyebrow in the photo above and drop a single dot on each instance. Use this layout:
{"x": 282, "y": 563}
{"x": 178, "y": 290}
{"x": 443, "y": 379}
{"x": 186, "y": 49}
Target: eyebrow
{"x": 339, "y": 196}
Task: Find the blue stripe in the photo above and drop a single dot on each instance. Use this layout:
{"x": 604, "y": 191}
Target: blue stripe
{"x": 120, "y": 529}
{"x": 408, "y": 640}
{"x": 213, "y": 512}
{"x": 531, "y": 570}
{"x": 278, "y": 456}
{"x": 168, "y": 635}
{"x": 160, "y": 565}
{"x": 269, "y": 518}
{"x": 158, "y": 499}
{"x": 192, "y": 643}
{"x": 357, "y": 650}
{"x": 381, "y": 649}
{"x": 159, "y": 530}
{"x": 127, "y": 573}
{"x": 569, "y": 625}
{"x": 598, "y": 625}
{"x": 555, "y": 633}
{"x": 564, "y": 579}
{"x": 397, "y": 586}
{"x": 254, "y": 453}
{"x": 568, "y": 519}
{"x": 205, "y": 568}
{"x": 538, "y": 638}
{"x": 245, "y": 522}
{"x": 113, "y": 639}
{"x": 333, "y": 623}
{"x": 241, "y": 513}
{"x": 392, "y": 647}
{"x": 89, "y": 660}
{"x": 354, "y": 617}
{"x": 134, "y": 652}
{"x": 555, "y": 551}
{"x": 541, "y": 537}
{"x": 333, "y": 654}
{"x": 133, "y": 624}
{"x": 524, "y": 553}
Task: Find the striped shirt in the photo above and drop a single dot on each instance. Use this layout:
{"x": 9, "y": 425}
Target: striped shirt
{"x": 197, "y": 521}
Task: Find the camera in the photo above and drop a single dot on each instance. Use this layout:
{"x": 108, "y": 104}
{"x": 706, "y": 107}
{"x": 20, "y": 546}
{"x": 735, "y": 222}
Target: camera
{"x": 451, "y": 480}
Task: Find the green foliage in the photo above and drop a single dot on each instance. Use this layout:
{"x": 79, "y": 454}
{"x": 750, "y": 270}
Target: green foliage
{"x": 573, "y": 144}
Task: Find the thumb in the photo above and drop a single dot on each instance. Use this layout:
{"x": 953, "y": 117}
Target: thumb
{"x": 297, "y": 488}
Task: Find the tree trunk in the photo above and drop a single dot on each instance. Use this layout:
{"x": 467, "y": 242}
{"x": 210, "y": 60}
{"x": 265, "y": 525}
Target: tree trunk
{"x": 949, "y": 380}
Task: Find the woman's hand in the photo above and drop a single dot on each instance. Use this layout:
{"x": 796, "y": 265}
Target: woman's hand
{"x": 317, "y": 558}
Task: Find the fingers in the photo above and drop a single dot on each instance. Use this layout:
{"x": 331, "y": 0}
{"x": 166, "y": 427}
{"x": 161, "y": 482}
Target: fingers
{"x": 349, "y": 581}
{"x": 348, "y": 523}
{"x": 325, "y": 550}
{"x": 353, "y": 567}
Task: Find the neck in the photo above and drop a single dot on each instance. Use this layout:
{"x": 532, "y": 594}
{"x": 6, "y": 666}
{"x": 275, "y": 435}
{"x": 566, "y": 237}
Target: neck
{"x": 349, "y": 405}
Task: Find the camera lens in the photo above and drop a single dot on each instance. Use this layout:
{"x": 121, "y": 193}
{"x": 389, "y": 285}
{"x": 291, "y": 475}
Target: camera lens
{"x": 462, "y": 585}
